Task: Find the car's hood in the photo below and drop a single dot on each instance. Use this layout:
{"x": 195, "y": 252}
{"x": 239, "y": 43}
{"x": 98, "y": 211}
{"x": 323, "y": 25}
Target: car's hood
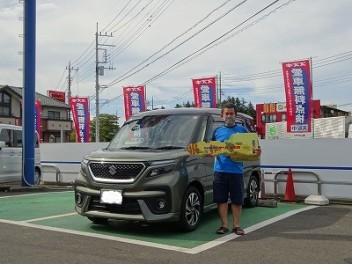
{"x": 135, "y": 155}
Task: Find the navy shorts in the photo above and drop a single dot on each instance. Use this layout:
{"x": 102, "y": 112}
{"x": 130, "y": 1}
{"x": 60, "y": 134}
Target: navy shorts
{"x": 225, "y": 184}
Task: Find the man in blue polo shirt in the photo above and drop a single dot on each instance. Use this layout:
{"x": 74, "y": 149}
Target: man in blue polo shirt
{"x": 228, "y": 174}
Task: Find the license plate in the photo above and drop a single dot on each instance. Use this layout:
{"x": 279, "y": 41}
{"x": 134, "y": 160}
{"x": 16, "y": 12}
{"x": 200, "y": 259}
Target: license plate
{"x": 111, "y": 197}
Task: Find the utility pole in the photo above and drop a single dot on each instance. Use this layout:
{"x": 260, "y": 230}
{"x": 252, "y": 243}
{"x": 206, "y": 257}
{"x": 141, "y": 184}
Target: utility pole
{"x": 69, "y": 68}
{"x": 99, "y": 70}
{"x": 219, "y": 103}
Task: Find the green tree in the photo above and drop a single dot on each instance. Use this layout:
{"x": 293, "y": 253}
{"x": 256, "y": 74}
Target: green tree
{"x": 187, "y": 104}
{"x": 108, "y": 127}
{"x": 241, "y": 105}
{"x": 72, "y": 136}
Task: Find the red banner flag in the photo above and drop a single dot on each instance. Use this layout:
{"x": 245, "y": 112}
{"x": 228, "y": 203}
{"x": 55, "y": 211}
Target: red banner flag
{"x": 298, "y": 88}
{"x": 134, "y": 100}
{"x": 204, "y": 92}
{"x": 81, "y": 118}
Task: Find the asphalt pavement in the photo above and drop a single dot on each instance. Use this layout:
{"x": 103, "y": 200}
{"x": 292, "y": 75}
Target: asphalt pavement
{"x": 319, "y": 235}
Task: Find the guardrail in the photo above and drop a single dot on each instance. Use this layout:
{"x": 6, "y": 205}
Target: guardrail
{"x": 318, "y": 181}
{"x": 46, "y": 167}
{"x": 277, "y": 174}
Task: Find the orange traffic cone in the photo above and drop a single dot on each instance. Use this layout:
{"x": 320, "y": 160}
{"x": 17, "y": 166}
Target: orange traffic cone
{"x": 290, "y": 194}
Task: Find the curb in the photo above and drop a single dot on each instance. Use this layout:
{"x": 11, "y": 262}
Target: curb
{"x": 43, "y": 187}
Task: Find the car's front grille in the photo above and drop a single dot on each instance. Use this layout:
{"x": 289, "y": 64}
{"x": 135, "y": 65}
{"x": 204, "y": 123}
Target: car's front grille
{"x": 128, "y": 206}
{"x": 114, "y": 172}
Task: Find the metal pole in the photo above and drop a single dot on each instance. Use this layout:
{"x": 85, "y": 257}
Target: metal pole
{"x": 220, "y": 89}
{"x": 311, "y": 96}
{"x": 96, "y": 88}
{"x": 29, "y": 92}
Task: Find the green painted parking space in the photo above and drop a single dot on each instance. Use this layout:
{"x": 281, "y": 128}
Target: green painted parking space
{"x": 56, "y": 210}
{"x": 37, "y": 205}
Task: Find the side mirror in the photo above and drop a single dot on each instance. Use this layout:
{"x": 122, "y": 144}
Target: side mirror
{"x": 2, "y": 144}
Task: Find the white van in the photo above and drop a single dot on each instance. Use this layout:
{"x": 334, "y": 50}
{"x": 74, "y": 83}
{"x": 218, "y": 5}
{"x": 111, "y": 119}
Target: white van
{"x": 11, "y": 164}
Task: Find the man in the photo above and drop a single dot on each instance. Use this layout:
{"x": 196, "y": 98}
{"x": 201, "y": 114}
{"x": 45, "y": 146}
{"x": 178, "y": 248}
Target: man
{"x": 228, "y": 174}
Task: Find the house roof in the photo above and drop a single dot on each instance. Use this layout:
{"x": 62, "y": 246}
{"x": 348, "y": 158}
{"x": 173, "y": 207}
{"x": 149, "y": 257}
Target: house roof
{"x": 44, "y": 100}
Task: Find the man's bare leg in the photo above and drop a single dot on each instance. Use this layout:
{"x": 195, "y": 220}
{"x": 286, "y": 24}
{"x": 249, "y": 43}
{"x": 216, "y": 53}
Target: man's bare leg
{"x": 222, "y": 209}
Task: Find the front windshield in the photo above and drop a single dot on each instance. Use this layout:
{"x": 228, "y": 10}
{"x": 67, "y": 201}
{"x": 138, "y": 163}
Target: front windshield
{"x": 156, "y": 132}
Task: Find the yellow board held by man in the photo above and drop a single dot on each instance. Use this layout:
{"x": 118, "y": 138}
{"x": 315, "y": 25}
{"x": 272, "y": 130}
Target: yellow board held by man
{"x": 240, "y": 147}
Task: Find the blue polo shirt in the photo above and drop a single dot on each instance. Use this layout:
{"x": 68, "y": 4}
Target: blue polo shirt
{"x": 224, "y": 163}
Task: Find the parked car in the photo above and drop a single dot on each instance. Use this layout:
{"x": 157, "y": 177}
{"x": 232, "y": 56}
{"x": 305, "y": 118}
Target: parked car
{"x": 11, "y": 164}
{"x": 146, "y": 174}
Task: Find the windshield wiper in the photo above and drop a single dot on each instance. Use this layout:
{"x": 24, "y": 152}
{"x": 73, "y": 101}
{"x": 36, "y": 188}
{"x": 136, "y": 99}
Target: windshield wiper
{"x": 135, "y": 147}
{"x": 171, "y": 147}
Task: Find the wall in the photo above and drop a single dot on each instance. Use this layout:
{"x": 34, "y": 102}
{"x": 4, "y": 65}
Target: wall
{"x": 328, "y": 159}
{"x": 66, "y": 157}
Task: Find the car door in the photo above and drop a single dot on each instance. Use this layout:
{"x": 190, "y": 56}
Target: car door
{"x": 9, "y": 156}
{"x": 212, "y": 123}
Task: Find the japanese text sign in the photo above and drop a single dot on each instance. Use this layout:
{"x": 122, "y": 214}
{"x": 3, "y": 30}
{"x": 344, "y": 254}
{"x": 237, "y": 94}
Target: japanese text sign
{"x": 204, "y": 92}
{"x": 298, "y": 89}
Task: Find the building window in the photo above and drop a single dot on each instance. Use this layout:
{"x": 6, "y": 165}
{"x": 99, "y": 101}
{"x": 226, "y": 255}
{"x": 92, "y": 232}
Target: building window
{"x": 53, "y": 115}
{"x": 268, "y": 118}
{"x": 284, "y": 118}
{"x": 5, "y": 104}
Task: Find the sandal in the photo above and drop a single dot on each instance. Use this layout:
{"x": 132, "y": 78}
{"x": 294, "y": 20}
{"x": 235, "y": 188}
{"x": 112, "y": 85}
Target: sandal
{"x": 238, "y": 231}
{"x": 222, "y": 230}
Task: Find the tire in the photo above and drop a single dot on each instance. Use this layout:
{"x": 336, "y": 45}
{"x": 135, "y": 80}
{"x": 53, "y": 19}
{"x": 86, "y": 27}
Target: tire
{"x": 98, "y": 220}
{"x": 37, "y": 176}
{"x": 252, "y": 192}
{"x": 191, "y": 210}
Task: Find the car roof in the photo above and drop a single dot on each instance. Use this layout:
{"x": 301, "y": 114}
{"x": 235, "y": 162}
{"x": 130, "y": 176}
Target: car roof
{"x": 8, "y": 126}
{"x": 184, "y": 110}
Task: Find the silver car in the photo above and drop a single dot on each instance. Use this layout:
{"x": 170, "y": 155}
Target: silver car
{"x": 146, "y": 174}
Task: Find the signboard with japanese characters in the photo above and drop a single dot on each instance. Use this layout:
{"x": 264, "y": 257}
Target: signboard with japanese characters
{"x": 57, "y": 95}
{"x": 298, "y": 88}
{"x": 81, "y": 118}
{"x": 134, "y": 100}
{"x": 204, "y": 92}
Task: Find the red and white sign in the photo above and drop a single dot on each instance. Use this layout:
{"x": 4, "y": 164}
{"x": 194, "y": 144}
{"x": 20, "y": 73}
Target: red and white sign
{"x": 57, "y": 95}
{"x": 134, "y": 100}
{"x": 204, "y": 92}
{"x": 298, "y": 88}
{"x": 81, "y": 118}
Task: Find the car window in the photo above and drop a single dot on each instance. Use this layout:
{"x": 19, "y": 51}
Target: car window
{"x": 18, "y": 138}
{"x": 156, "y": 132}
{"x": 202, "y": 129}
{"x": 6, "y": 135}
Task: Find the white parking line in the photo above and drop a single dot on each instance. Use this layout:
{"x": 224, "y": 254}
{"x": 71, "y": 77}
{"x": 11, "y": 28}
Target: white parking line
{"x": 32, "y": 194}
{"x": 48, "y": 217}
{"x": 194, "y": 250}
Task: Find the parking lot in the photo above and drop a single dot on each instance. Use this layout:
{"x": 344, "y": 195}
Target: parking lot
{"x": 43, "y": 226}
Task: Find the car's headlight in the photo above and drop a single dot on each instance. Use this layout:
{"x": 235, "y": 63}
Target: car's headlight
{"x": 84, "y": 166}
{"x": 161, "y": 167}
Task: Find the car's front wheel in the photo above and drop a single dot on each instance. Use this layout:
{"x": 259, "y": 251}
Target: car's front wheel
{"x": 252, "y": 192}
{"x": 191, "y": 209}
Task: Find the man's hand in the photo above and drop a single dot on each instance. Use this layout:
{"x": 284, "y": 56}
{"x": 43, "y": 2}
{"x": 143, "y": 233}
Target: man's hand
{"x": 258, "y": 151}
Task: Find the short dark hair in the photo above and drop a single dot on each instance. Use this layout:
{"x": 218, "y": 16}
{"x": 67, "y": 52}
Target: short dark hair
{"x": 228, "y": 105}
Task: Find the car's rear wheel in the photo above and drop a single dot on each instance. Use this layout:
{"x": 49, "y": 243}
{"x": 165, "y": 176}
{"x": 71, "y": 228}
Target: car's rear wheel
{"x": 252, "y": 192}
{"x": 98, "y": 220}
{"x": 37, "y": 176}
{"x": 191, "y": 209}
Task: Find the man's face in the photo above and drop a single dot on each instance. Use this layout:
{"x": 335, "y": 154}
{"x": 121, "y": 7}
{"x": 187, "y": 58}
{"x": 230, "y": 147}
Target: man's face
{"x": 229, "y": 116}
{"x": 228, "y": 112}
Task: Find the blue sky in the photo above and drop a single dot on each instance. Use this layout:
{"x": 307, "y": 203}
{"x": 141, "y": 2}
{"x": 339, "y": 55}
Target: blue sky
{"x": 165, "y": 43}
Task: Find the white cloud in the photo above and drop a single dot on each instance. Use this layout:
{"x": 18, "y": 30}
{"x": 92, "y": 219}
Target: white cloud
{"x": 65, "y": 29}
